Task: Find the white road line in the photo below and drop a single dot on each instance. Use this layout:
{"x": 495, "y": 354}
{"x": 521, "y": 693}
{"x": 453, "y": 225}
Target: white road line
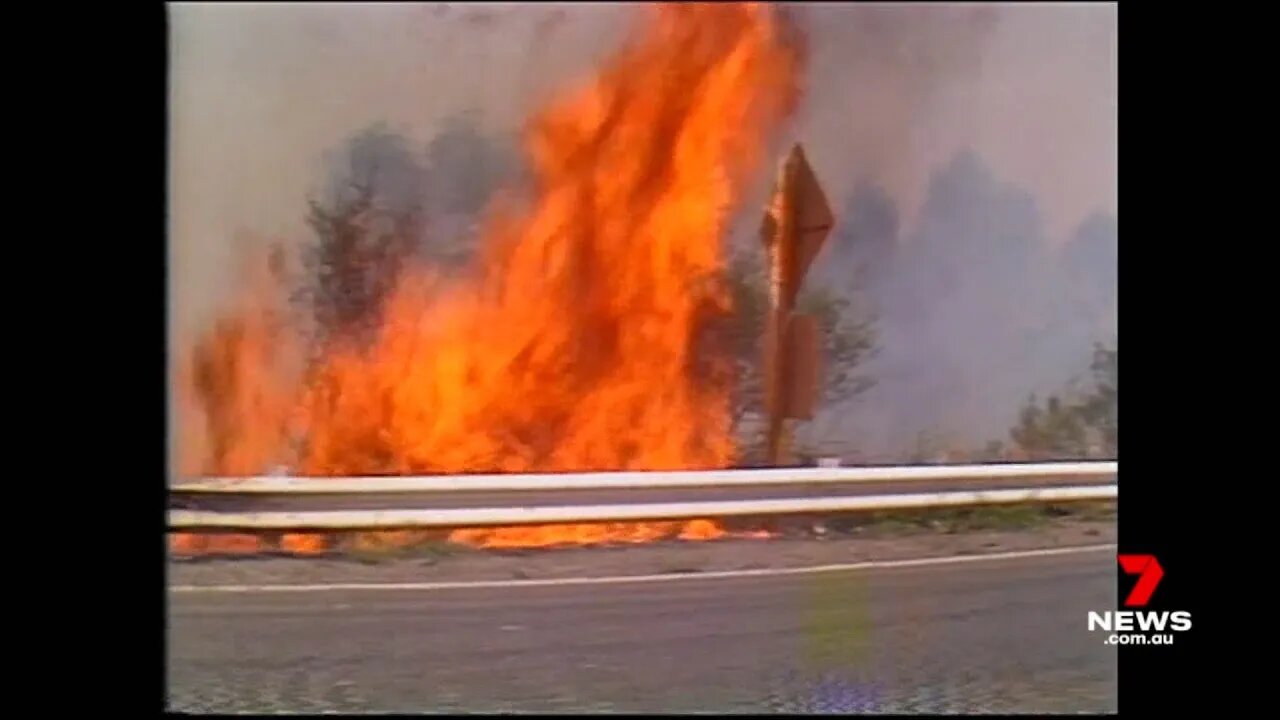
{"x": 619, "y": 579}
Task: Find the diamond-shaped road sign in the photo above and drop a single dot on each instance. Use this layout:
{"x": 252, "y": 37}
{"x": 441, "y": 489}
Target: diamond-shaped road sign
{"x": 798, "y": 189}
{"x": 793, "y": 342}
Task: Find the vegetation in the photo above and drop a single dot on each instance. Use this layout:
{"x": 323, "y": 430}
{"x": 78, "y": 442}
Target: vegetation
{"x": 381, "y": 198}
{"x": 1081, "y": 424}
{"x": 993, "y": 518}
{"x": 367, "y": 222}
{"x": 848, "y": 341}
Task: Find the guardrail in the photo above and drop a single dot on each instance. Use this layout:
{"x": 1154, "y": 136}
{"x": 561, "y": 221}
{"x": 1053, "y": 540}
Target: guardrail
{"x": 857, "y": 495}
{"x": 647, "y": 479}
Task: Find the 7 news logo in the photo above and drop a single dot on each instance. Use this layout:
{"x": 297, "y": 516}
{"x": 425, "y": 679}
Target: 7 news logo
{"x": 1135, "y": 627}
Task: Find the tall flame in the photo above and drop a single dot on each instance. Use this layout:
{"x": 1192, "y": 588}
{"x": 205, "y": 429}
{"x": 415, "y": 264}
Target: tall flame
{"x": 577, "y": 343}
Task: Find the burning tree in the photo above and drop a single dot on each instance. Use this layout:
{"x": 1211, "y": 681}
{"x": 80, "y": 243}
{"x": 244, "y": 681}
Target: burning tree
{"x": 465, "y": 167}
{"x": 383, "y": 205}
{"x": 574, "y": 342}
{"x": 367, "y": 224}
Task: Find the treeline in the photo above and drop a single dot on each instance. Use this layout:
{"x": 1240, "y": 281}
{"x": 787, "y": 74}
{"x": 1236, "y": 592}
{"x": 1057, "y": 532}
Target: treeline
{"x": 383, "y": 203}
{"x": 978, "y": 303}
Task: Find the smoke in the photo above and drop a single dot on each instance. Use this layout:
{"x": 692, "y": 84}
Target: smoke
{"x": 976, "y": 308}
{"x": 878, "y": 72}
{"x": 969, "y": 153}
{"x": 260, "y": 93}
{"x": 895, "y": 91}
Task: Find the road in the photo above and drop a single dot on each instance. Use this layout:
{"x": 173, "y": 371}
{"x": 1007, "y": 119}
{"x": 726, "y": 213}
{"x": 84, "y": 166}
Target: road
{"x": 986, "y": 636}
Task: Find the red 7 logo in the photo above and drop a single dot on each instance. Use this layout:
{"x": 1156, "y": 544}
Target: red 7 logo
{"x": 1149, "y": 572}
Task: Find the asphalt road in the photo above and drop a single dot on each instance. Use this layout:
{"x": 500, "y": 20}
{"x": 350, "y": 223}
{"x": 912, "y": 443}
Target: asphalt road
{"x": 987, "y": 636}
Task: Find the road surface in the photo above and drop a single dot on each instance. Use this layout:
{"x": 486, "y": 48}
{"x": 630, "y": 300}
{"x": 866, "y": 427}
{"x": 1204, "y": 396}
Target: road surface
{"x": 988, "y": 636}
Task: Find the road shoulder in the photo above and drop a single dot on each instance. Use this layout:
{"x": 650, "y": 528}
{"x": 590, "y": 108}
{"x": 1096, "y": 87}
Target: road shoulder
{"x": 461, "y": 564}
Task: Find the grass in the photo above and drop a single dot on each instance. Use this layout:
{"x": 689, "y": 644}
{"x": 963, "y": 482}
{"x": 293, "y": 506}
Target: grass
{"x": 431, "y": 547}
{"x": 970, "y": 519}
{"x": 1029, "y": 517}
{"x": 429, "y": 551}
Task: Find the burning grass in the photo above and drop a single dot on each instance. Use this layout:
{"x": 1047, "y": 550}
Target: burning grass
{"x": 436, "y": 545}
{"x": 399, "y": 544}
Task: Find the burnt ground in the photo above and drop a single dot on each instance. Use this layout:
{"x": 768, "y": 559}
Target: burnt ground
{"x": 798, "y": 544}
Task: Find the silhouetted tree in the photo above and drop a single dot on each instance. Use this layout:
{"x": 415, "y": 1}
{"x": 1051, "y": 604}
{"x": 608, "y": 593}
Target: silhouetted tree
{"x": 1051, "y": 431}
{"x": 848, "y": 340}
{"x": 465, "y": 166}
{"x": 367, "y": 222}
{"x": 1100, "y": 408}
{"x": 465, "y": 169}
{"x": 1083, "y": 427}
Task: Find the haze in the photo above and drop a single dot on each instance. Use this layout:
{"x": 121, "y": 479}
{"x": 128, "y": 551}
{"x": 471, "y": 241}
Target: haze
{"x": 1011, "y": 110}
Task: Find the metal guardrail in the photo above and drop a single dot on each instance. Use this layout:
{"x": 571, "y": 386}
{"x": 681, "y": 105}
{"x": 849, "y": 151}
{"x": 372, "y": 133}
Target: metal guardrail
{"x": 645, "y": 479}
{"x": 528, "y": 511}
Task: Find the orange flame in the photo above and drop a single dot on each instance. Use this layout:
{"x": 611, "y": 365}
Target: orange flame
{"x": 215, "y": 544}
{"x": 587, "y": 534}
{"x": 243, "y": 376}
{"x": 577, "y": 344}
{"x": 303, "y": 544}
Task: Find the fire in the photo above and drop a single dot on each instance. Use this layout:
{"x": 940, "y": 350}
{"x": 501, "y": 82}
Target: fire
{"x": 303, "y": 544}
{"x": 587, "y": 534}
{"x": 577, "y": 343}
{"x": 221, "y": 544}
{"x": 242, "y": 376}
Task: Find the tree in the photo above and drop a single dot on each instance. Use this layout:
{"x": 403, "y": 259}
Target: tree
{"x": 1099, "y": 410}
{"x": 1082, "y": 427}
{"x": 848, "y": 340}
{"x": 367, "y": 222}
{"x": 465, "y": 166}
{"x": 1050, "y": 432}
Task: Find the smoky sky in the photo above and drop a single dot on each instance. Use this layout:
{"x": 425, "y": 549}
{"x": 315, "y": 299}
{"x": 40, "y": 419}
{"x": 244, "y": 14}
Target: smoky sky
{"x": 975, "y": 308}
{"x": 969, "y": 152}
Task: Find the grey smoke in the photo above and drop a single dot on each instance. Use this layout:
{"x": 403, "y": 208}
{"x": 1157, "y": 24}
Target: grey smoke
{"x": 968, "y": 151}
{"x": 976, "y": 309}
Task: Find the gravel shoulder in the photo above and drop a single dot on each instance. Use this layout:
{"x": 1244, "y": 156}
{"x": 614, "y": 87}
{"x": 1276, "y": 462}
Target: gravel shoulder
{"x": 452, "y": 563}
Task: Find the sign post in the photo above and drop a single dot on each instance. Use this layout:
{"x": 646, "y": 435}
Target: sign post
{"x": 796, "y": 224}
